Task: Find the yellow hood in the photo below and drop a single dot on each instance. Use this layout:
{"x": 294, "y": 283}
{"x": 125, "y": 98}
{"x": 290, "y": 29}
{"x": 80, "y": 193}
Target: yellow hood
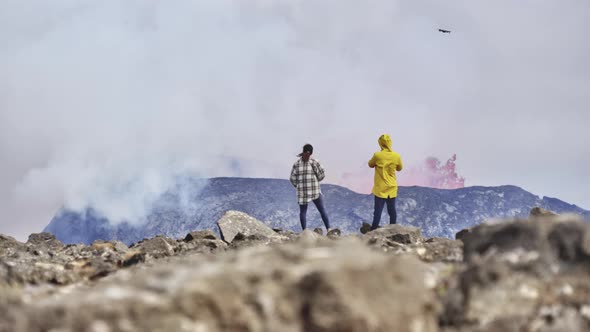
{"x": 385, "y": 142}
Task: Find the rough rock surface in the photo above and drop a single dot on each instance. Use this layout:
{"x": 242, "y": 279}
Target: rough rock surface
{"x": 525, "y": 275}
{"x": 43, "y": 259}
{"x": 335, "y": 286}
{"x": 528, "y": 275}
{"x": 398, "y": 233}
{"x": 404, "y": 239}
{"x": 540, "y": 212}
{"x": 234, "y": 222}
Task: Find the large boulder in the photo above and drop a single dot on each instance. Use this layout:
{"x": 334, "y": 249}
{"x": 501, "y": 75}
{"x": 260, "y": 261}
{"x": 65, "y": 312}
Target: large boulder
{"x": 523, "y": 275}
{"x": 559, "y": 241}
{"x": 234, "y": 222}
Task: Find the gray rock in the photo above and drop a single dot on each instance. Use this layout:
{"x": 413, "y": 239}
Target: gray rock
{"x": 243, "y": 241}
{"x": 9, "y": 246}
{"x": 393, "y": 238}
{"x": 559, "y": 240}
{"x": 309, "y": 237}
{"x": 200, "y": 235}
{"x": 400, "y": 238}
{"x": 520, "y": 275}
{"x": 339, "y": 286}
{"x": 204, "y": 246}
{"x": 334, "y": 233}
{"x": 287, "y": 235}
{"x": 44, "y": 241}
{"x": 205, "y": 242}
{"x": 116, "y": 246}
{"x": 540, "y": 212}
{"x": 44, "y": 260}
{"x": 133, "y": 257}
{"x": 440, "y": 250}
{"x": 156, "y": 247}
{"x": 410, "y": 233}
{"x": 234, "y": 222}
{"x": 513, "y": 268}
{"x": 460, "y": 234}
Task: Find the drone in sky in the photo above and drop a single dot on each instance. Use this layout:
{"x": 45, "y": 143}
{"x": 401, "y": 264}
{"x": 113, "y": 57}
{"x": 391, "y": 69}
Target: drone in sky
{"x": 444, "y": 31}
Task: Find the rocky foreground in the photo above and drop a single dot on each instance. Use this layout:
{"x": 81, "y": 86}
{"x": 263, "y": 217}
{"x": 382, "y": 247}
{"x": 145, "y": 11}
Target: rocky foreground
{"x": 520, "y": 275}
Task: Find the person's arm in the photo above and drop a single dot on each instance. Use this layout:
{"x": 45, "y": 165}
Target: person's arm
{"x": 320, "y": 173}
{"x": 293, "y": 177}
{"x": 373, "y": 162}
{"x": 400, "y": 165}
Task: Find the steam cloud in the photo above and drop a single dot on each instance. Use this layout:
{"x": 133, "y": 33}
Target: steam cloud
{"x": 106, "y": 103}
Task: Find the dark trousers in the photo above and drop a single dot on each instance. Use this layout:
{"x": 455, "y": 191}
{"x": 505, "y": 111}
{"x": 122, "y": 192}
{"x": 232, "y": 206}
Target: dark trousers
{"x": 379, "y": 203}
{"x": 319, "y": 204}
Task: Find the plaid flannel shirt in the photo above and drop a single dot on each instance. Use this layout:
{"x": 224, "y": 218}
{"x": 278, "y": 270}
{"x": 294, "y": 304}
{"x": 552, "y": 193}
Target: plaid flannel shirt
{"x": 306, "y": 177}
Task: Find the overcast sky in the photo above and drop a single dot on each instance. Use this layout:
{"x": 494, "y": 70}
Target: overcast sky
{"x": 104, "y": 102}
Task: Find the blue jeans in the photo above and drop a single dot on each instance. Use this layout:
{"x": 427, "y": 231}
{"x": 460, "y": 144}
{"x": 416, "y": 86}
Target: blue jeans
{"x": 379, "y": 203}
{"x": 319, "y": 204}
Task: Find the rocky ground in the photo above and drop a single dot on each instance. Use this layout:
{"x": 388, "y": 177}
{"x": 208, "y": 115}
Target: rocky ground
{"x": 519, "y": 275}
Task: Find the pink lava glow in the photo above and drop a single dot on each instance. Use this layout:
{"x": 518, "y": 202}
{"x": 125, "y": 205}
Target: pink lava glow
{"x": 432, "y": 173}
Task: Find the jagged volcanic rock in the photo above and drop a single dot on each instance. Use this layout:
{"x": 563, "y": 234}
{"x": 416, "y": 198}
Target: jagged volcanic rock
{"x": 516, "y": 275}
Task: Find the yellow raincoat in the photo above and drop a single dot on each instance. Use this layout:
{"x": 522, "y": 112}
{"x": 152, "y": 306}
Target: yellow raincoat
{"x": 385, "y": 162}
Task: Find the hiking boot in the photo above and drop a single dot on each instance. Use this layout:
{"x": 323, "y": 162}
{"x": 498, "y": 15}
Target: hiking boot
{"x": 365, "y": 228}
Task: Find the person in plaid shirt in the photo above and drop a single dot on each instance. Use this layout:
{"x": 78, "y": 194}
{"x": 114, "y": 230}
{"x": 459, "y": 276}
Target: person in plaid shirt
{"x": 306, "y": 175}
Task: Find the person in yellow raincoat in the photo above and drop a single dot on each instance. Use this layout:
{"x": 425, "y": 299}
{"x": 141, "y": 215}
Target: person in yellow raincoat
{"x": 385, "y": 162}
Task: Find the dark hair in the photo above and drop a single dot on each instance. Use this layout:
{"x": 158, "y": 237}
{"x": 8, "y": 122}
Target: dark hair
{"x": 306, "y": 148}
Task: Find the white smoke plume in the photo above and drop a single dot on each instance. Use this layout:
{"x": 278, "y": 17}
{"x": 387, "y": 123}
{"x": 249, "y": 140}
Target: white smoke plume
{"x": 104, "y": 103}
